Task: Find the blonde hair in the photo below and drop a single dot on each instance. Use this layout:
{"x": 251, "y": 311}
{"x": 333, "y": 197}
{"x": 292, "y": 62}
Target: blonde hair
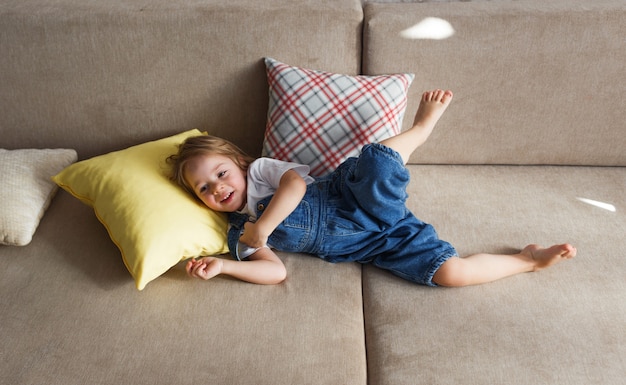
{"x": 201, "y": 146}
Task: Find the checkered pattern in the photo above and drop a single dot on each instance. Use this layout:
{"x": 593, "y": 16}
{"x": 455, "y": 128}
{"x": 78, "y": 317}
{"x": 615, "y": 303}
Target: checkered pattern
{"x": 320, "y": 119}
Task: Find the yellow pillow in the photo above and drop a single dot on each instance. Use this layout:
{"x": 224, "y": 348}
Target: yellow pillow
{"x": 153, "y": 222}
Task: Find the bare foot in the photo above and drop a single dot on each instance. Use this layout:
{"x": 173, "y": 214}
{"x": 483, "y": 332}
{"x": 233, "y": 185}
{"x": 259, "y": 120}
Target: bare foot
{"x": 543, "y": 258}
{"x": 431, "y": 107}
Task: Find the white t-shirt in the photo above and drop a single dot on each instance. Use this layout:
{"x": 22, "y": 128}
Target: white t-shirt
{"x": 264, "y": 177}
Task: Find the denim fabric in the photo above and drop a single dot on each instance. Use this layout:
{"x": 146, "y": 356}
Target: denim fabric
{"x": 239, "y": 251}
{"x": 358, "y": 213}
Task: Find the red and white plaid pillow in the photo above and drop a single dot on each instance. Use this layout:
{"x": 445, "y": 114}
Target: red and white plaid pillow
{"x": 319, "y": 118}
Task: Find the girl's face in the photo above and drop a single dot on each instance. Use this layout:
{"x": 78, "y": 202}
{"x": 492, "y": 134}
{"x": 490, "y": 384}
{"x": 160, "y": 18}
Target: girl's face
{"x": 217, "y": 181}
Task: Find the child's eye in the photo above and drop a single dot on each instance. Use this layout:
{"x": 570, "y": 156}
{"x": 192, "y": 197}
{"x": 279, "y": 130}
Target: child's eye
{"x": 203, "y": 189}
{"x": 221, "y": 174}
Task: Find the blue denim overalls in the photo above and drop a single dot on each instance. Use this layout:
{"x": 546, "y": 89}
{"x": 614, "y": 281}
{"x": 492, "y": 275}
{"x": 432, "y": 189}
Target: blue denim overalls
{"x": 358, "y": 213}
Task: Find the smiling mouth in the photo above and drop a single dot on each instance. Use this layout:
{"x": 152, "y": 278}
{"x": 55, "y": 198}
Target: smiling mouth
{"x": 227, "y": 198}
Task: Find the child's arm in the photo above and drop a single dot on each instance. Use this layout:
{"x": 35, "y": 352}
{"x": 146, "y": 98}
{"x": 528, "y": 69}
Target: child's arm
{"x": 263, "y": 267}
{"x": 288, "y": 195}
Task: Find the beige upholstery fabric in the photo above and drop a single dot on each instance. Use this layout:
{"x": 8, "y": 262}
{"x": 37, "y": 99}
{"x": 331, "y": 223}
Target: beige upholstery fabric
{"x": 101, "y": 76}
{"x": 71, "y": 315}
{"x": 535, "y": 82}
{"x": 564, "y": 325}
{"x": 105, "y": 76}
{"x": 27, "y": 190}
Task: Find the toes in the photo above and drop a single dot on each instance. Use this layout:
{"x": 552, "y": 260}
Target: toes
{"x": 569, "y": 251}
{"x": 437, "y": 95}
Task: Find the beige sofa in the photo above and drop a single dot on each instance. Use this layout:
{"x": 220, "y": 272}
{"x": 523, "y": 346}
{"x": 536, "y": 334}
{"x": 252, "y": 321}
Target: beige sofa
{"x": 532, "y": 150}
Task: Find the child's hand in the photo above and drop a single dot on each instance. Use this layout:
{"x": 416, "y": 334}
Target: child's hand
{"x": 252, "y": 235}
{"x": 204, "y": 268}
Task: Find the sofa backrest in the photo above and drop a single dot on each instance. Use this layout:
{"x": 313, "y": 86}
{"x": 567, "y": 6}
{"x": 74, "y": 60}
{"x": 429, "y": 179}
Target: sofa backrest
{"x": 110, "y": 74}
{"x": 535, "y": 82}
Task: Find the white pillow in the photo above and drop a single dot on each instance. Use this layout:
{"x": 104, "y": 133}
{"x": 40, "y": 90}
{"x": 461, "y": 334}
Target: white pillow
{"x": 27, "y": 190}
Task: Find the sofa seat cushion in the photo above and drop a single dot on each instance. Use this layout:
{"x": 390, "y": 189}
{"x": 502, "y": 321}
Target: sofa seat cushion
{"x": 68, "y": 302}
{"x": 560, "y": 325}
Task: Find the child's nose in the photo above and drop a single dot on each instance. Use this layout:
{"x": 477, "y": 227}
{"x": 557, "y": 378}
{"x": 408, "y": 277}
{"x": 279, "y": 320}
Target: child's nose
{"x": 217, "y": 189}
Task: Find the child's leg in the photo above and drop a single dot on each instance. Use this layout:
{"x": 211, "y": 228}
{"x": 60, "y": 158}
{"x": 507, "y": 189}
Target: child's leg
{"x": 483, "y": 268}
{"x": 431, "y": 107}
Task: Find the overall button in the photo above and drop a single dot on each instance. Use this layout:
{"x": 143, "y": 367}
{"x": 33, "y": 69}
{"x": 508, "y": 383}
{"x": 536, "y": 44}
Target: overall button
{"x": 260, "y": 207}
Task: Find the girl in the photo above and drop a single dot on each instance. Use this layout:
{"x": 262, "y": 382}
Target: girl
{"x": 357, "y": 213}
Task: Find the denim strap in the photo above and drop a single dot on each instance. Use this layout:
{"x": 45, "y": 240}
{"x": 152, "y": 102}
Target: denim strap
{"x": 236, "y": 222}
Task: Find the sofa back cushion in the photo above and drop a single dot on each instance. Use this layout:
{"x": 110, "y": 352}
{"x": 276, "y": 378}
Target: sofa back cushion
{"x": 535, "y": 82}
{"x": 113, "y": 74}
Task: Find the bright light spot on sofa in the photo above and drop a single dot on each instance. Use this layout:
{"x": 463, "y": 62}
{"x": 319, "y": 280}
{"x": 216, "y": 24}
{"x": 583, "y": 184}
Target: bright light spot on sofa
{"x": 430, "y": 28}
{"x": 602, "y": 205}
